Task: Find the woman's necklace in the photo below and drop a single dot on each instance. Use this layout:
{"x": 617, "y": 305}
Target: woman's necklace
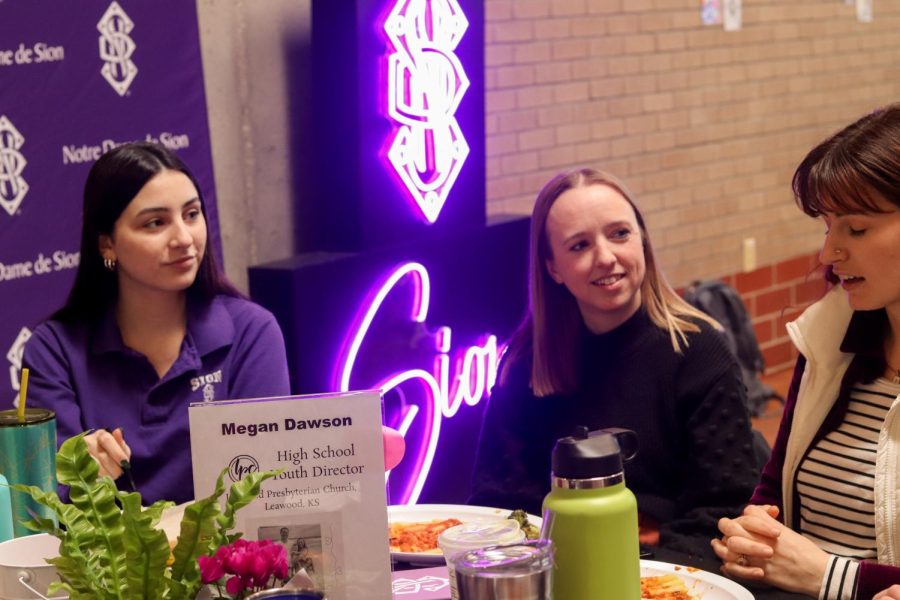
{"x": 895, "y": 376}
{"x": 889, "y": 351}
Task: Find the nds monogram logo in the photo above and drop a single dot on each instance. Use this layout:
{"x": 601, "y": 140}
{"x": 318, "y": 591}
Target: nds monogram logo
{"x": 426, "y": 83}
{"x": 116, "y": 48}
{"x": 14, "y": 356}
{"x": 207, "y": 383}
{"x": 13, "y": 186}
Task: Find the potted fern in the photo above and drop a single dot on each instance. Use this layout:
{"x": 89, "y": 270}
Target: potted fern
{"x": 110, "y": 547}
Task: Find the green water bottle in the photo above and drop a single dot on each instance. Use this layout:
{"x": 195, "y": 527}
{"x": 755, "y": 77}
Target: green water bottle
{"x": 592, "y": 517}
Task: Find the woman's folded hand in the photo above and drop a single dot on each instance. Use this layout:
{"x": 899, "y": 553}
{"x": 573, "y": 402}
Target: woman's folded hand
{"x": 892, "y": 592}
{"x": 757, "y": 546}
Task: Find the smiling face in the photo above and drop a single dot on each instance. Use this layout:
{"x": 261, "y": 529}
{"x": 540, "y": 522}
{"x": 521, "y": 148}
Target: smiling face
{"x": 863, "y": 250}
{"x": 159, "y": 239}
{"x": 597, "y": 253}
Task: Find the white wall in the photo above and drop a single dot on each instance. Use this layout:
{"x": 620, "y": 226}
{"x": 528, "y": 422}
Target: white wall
{"x": 248, "y": 47}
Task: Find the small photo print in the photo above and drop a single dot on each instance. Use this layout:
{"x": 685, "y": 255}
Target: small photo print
{"x": 864, "y": 12}
{"x": 303, "y": 546}
{"x": 711, "y": 12}
{"x": 732, "y": 16}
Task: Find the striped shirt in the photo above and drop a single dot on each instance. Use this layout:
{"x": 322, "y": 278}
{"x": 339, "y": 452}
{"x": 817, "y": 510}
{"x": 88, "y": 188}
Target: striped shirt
{"x": 836, "y": 482}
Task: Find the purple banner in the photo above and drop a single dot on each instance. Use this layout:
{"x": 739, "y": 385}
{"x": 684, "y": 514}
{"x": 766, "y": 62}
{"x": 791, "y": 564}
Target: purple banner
{"x": 76, "y": 79}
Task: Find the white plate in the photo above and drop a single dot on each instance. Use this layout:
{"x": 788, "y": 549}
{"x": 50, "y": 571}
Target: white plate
{"x": 430, "y": 512}
{"x": 702, "y": 584}
{"x": 170, "y": 521}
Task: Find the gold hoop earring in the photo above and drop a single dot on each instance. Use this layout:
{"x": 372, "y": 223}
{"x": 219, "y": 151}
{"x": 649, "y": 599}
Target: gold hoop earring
{"x": 110, "y": 264}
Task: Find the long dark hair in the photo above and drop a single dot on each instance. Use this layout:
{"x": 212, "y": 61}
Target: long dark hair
{"x": 113, "y": 182}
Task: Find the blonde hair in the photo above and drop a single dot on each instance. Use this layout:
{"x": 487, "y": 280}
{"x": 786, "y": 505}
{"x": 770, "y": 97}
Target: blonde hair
{"x": 554, "y": 324}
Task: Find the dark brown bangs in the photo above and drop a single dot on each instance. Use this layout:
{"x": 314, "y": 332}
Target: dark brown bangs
{"x": 855, "y": 170}
{"x": 836, "y": 182}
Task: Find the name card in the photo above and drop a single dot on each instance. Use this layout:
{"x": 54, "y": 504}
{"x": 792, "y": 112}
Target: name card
{"x": 328, "y": 506}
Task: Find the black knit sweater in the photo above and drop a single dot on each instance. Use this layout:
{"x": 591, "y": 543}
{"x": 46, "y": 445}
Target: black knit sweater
{"x": 696, "y": 461}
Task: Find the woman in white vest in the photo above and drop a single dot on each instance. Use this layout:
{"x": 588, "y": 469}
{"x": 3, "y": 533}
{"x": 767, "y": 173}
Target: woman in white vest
{"x": 825, "y": 518}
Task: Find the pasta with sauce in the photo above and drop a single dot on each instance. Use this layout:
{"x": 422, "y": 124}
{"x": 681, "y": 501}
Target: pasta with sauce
{"x": 665, "y": 587}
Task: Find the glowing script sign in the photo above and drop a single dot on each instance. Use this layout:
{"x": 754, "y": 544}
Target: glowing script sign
{"x": 445, "y": 388}
{"x": 425, "y": 83}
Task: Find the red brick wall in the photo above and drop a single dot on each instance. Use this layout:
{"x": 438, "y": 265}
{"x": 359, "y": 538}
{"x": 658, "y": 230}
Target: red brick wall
{"x": 775, "y": 294}
{"x": 704, "y": 126}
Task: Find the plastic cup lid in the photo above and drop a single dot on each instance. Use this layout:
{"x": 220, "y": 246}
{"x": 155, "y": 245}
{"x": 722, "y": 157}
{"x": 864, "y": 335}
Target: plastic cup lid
{"x": 478, "y": 534}
{"x": 524, "y": 557}
{"x": 10, "y": 418}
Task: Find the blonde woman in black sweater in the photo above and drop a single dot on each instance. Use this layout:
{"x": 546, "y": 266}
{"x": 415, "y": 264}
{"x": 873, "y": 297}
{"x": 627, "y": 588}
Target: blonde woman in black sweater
{"x": 608, "y": 343}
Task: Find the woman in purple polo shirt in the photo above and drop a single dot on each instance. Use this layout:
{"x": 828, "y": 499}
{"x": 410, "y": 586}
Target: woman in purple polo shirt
{"x": 151, "y": 325}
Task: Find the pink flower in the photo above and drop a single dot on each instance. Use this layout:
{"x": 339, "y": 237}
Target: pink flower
{"x": 260, "y": 569}
{"x": 234, "y": 586}
{"x": 238, "y": 561}
{"x": 252, "y": 564}
{"x": 280, "y": 565}
{"x": 210, "y": 569}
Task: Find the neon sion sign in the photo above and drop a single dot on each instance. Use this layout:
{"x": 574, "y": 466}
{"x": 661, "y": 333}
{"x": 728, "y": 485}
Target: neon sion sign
{"x": 425, "y": 85}
{"x": 446, "y": 388}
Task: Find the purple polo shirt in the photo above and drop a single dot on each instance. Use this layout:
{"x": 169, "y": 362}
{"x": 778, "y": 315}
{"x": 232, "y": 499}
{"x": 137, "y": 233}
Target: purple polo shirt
{"x": 233, "y": 349}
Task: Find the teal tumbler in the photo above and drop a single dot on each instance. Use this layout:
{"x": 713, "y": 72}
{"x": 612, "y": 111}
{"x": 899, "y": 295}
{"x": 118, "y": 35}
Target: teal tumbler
{"x": 28, "y": 457}
{"x": 6, "y": 527}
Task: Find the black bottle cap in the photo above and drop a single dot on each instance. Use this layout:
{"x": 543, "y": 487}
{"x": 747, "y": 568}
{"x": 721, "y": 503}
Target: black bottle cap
{"x": 590, "y": 454}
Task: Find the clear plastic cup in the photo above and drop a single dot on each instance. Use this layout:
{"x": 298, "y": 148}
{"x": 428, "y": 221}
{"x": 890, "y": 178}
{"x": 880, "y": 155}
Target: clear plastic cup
{"x": 474, "y": 535}
{"x": 521, "y": 571}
